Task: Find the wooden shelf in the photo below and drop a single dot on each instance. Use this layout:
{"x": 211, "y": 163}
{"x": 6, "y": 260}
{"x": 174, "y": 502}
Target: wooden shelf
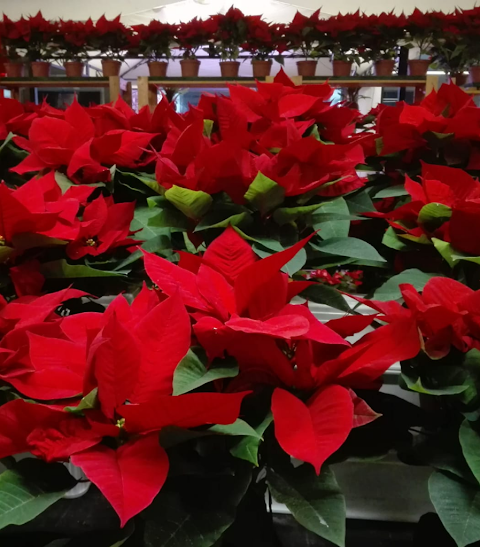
{"x": 54, "y": 82}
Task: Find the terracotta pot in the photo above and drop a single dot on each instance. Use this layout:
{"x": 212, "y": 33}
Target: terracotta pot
{"x": 229, "y": 69}
{"x": 475, "y": 74}
{"x": 111, "y": 67}
{"x": 73, "y": 69}
{"x": 40, "y": 69}
{"x": 158, "y": 69}
{"x": 14, "y": 70}
{"x": 342, "y": 68}
{"x": 384, "y": 67}
{"x": 190, "y": 68}
{"x": 261, "y": 69}
{"x": 418, "y": 67}
{"x": 459, "y": 77}
{"x": 306, "y": 68}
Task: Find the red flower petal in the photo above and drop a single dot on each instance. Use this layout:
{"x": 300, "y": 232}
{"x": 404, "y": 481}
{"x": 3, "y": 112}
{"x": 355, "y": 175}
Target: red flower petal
{"x": 312, "y": 432}
{"x": 129, "y": 477}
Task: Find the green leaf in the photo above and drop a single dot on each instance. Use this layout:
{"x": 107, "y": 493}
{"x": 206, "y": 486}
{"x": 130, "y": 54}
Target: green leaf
{"x": 360, "y": 203}
{"x": 25, "y": 241}
{"x": 323, "y": 294}
{"x": 446, "y": 250}
{"x": 195, "y": 510}
{"x": 417, "y": 386}
{"x": 7, "y": 140}
{"x": 285, "y": 215}
{"x": 5, "y": 253}
{"x": 350, "y": 247}
{"x": 30, "y": 488}
{"x": 391, "y": 239}
{"x": 172, "y": 219}
{"x": 247, "y": 448}
{"x": 154, "y": 238}
{"x": 291, "y": 267}
{"x": 264, "y": 194}
{"x": 470, "y": 442}
{"x": 458, "y": 506}
{"x": 238, "y": 428}
{"x": 207, "y": 128}
{"x": 333, "y": 228}
{"x": 145, "y": 179}
{"x": 212, "y": 220}
{"x": 65, "y": 183}
{"x": 315, "y": 502}
{"x": 392, "y": 192}
{"x": 390, "y": 289}
{"x": 89, "y": 402}
{"x": 192, "y": 203}
{"x": 433, "y": 215}
{"x": 61, "y": 269}
{"x": 456, "y": 256}
{"x": 191, "y": 373}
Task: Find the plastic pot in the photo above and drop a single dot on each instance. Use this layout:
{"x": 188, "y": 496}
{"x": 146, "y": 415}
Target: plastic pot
{"x": 73, "y": 69}
{"x": 40, "y": 69}
{"x": 384, "y": 67}
{"x": 342, "y": 68}
{"x": 229, "y": 69}
{"x": 190, "y": 68}
{"x": 475, "y": 74}
{"x": 158, "y": 69}
{"x": 261, "y": 69}
{"x": 14, "y": 70}
{"x": 418, "y": 67}
{"x": 306, "y": 68}
{"x": 111, "y": 67}
{"x": 459, "y": 77}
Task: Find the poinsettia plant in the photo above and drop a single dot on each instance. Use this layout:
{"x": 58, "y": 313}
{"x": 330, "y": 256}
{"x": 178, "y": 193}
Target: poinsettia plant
{"x": 193, "y": 35}
{"x": 229, "y": 34}
{"x": 73, "y": 40}
{"x": 155, "y": 40}
{"x": 35, "y": 35}
{"x": 420, "y": 31}
{"x": 303, "y": 35}
{"x": 128, "y": 393}
{"x": 344, "y": 36}
{"x": 111, "y": 38}
{"x": 445, "y": 373}
{"x": 382, "y": 34}
{"x": 262, "y": 39}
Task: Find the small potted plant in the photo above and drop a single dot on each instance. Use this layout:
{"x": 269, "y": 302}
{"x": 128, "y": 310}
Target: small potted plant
{"x": 72, "y": 41}
{"x": 153, "y": 43}
{"x": 12, "y": 38}
{"x": 112, "y": 39}
{"x": 229, "y": 35}
{"x": 190, "y": 37}
{"x": 419, "y": 38}
{"x": 469, "y": 29}
{"x": 40, "y": 37}
{"x": 344, "y": 40}
{"x": 303, "y": 36}
{"x": 382, "y": 34}
{"x": 261, "y": 41}
{"x": 451, "y": 50}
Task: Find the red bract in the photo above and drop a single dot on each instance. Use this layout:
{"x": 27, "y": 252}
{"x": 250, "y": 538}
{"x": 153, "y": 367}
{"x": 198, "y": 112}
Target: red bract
{"x": 127, "y": 355}
{"x": 105, "y": 226}
{"x": 453, "y": 191}
{"x": 445, "y": 314}
{"x": 309, "y": 164}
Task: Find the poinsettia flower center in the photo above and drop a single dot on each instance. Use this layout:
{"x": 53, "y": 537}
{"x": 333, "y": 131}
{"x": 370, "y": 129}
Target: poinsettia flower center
{"x": 2, "y": 241}
{"x": 120, "y": 423}
{"x": 91, "y": 242}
